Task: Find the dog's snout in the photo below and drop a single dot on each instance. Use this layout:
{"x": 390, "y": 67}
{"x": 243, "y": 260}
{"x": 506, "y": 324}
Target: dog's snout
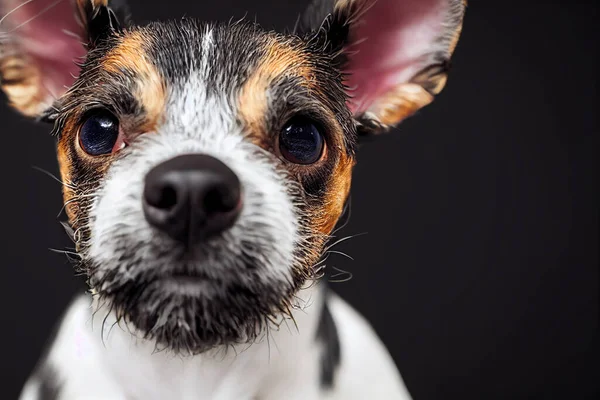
{"x": 192, "y": 197}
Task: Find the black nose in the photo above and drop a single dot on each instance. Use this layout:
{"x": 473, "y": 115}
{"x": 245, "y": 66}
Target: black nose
{"x": 192, "y": 197}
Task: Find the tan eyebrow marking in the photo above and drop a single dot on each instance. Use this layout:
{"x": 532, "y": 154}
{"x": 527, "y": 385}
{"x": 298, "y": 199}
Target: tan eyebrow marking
{"x": 280, "y": 59}
{"x": 150, "y": 89}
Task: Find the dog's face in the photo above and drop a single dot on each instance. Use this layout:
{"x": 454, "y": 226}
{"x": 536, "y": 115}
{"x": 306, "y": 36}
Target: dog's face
{"x": 206, "y": 165}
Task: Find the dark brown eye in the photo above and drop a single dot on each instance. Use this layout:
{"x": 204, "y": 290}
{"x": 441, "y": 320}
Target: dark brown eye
{"x": 301, "y": 142}
{"x": 99, "y": 134}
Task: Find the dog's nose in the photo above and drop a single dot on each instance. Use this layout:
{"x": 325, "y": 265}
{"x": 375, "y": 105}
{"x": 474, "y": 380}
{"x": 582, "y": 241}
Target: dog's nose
{"x": 192, "y": 197}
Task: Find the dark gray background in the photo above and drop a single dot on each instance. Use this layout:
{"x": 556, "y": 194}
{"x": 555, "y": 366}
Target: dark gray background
{"x": 479, "y": 269}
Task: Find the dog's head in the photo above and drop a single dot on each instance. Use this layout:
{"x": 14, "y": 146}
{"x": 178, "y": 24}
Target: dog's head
{"x": 206, "y": 165}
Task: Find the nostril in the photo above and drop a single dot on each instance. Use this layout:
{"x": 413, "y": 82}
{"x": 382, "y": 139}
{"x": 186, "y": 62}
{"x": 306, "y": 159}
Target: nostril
{"x": 167, "y": 198}
{"x": 220, "y": 199}
{"x": 161, "y": 195}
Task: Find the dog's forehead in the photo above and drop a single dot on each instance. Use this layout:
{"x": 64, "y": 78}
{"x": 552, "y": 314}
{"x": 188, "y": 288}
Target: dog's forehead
{"x": 180, "y": 49}
{"x": 212, "y": 60}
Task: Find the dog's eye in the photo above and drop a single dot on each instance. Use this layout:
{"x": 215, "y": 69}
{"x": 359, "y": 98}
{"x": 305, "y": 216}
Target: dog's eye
{"x": 99, "y": 134}
{"x": 301, "y": 142}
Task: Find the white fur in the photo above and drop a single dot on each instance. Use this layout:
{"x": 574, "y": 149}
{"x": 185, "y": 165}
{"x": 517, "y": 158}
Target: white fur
{"x": 203, "y": 124}
{"x": 284, "y": 365}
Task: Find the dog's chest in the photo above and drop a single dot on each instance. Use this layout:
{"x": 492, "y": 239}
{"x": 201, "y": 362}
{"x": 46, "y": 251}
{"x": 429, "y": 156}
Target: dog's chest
{"x": 252, "y": 374}
{"x": 332, "y": 354}
{"x": 121, "y": 367}
{"x": 262, "y": 371}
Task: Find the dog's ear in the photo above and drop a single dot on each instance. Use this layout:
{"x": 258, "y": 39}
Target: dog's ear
{"x": 43, "y": 41}
{"x": 395, "y": 54}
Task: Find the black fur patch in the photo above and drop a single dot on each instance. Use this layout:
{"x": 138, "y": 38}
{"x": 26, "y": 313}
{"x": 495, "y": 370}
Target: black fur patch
{"x": 328, "y": 27}
{"x": 100, "y": 22}
{"x": 44, "y": 374}
{"x": 49, "y": 386}
{"x": 327, "y": 334}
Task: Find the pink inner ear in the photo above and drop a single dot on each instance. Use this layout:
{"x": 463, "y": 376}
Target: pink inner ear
{"x": 389, "y": 46}
{"x": 48, "y": 33}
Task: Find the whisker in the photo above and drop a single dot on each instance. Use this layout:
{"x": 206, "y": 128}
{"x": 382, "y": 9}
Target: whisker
{"x": 341, "y": 253}
{"x": 347, "y": 213}
{"x": 70, "y": 186}
{"x": 63, "y": 251}
{"x": 291, "y": 317}
{"x": 74, "y": 199}
{"x": 319, "y": 266}
{"x": 72, "y": 257}
{"x": 340, "y": 273}
{"x": 102, "y": 330}
{"x": 343, "y": 240}
{"x": 297, "y": 24}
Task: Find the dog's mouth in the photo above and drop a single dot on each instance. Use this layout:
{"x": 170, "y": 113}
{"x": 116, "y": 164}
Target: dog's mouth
{"x": 181, "y": 278}
{"x": 186, "y": 277}
{"x": 187, "y": 280}
{"x": 187, "y": 285}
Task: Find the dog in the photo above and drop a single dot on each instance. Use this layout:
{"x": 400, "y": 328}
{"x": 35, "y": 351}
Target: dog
{"x": 204, "y": 168}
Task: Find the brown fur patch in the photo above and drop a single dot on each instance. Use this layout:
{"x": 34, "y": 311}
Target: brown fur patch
{"x": 455, "y": 38}
{"x": 400, "y": 103}
{"x": 21, "y": 81}
{"x": 150, "y": 89}
{"x": 64, "y": 164}
{"x": 280, "y": 59}
{"x": 433, "y": 78}
{"x": 335, "y": 197}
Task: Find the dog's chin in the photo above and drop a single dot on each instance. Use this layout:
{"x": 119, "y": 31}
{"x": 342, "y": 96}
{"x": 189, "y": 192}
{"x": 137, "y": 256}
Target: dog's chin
{"x": 191, "y": 313}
